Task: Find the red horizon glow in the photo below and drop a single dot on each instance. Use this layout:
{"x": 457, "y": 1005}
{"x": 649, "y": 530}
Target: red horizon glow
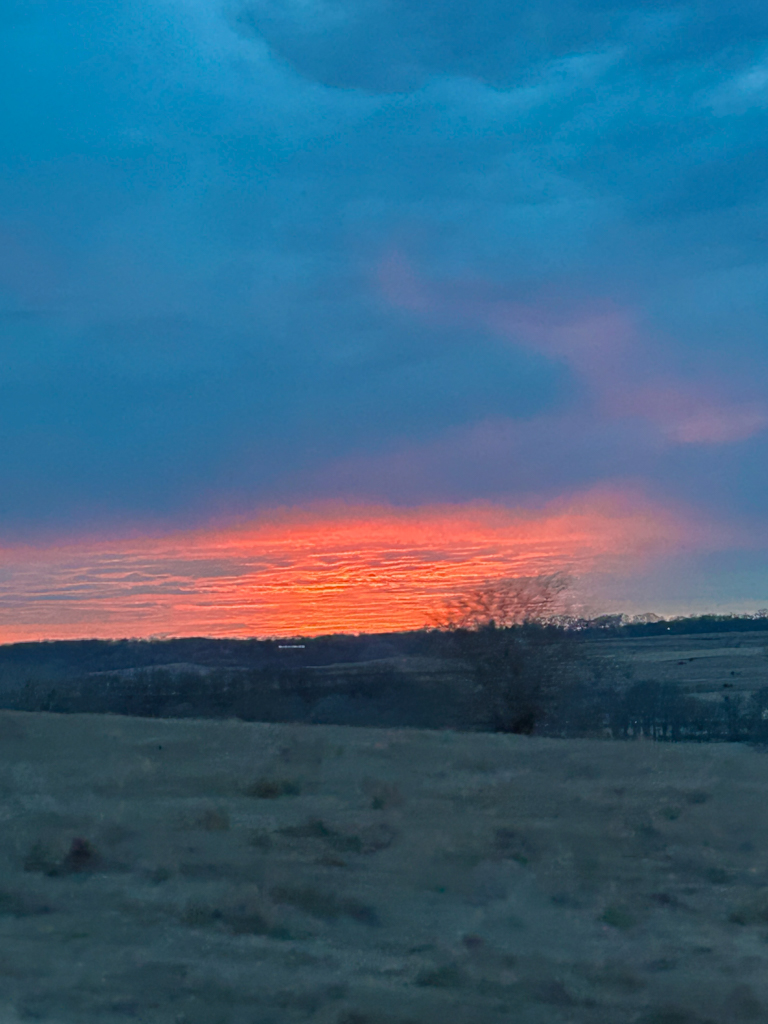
{"x": 322, "y": 569}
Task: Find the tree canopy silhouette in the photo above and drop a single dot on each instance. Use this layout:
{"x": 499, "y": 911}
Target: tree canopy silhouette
{"x": 511, "y": 635}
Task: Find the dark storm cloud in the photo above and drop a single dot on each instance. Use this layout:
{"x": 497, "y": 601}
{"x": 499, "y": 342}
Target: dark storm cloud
{"x": 396, "y": 45}
{"x": 268, "y": 251}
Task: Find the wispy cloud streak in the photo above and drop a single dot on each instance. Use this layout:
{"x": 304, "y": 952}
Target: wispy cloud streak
{"x": 623, "y": 371}
{"x": 324, "y": 569}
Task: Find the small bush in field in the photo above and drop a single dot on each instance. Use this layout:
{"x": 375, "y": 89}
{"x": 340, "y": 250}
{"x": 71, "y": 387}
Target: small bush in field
{"x": 324, "y": 905}
{"x": 753, "y": 912}
{"x": 273, "y": 789}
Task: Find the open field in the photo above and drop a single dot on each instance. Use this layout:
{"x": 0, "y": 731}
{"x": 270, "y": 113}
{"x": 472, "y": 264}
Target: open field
{"x": 698, "y": 663}
{"x": 219, "y": 872}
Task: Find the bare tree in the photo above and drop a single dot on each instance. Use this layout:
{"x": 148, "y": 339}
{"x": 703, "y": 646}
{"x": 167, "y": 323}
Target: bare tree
{"x": 511, "y": 638}
{"x": 510, "y": 601}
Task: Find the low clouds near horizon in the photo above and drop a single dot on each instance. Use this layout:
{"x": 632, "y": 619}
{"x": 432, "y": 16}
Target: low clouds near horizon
{"x": 258, "y": 253}
{"x": 334, "y": 568}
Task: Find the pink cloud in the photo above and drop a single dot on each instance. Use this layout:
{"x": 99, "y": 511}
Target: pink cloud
{"x": 623, "y": 370}
{"x": 687, "y": 417}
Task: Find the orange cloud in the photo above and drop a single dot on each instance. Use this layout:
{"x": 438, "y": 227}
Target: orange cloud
{"x": 322, "y": 570}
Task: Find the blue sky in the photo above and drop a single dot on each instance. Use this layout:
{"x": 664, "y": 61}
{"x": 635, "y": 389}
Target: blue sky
{"x": 271, "y": 253}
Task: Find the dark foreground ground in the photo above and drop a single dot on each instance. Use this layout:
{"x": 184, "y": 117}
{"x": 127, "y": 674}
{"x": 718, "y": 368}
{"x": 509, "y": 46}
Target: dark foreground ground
{"x": 222, "y": 872}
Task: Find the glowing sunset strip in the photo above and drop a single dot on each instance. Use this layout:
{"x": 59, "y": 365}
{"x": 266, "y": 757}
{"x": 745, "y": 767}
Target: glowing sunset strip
{"x": 318, "y": 570}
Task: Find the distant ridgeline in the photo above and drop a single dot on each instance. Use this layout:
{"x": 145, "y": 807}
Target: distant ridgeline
{"x": 67, "y": 657}
{"x": 572, "y": 678}
{"x": 653, "y": 625}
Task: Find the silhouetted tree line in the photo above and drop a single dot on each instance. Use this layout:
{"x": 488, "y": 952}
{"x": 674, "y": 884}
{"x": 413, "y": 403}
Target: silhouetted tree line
{"x": 375, "y": 698}
{"x": 661, "y": 711}
{"x": 532, "y": 673}
{"x": 512, "y": 661}
{"x": 525, "y": 679}
{"x": 75, "y": 658}
{"x": 623, "y": 626}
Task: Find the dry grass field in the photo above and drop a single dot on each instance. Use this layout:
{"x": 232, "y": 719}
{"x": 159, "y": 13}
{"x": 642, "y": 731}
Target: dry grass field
{"x": 698, "y": 662}
{"x": 203, "y": 872}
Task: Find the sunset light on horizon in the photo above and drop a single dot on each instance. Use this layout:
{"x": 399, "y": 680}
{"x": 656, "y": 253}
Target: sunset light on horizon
{"x": 383, "y": 457}
{"x": 313, "y": 312}
{"x": 325, "y": 569}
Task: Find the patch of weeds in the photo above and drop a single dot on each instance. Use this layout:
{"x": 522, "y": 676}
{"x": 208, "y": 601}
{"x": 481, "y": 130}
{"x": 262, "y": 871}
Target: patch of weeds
{"x": 114, "y": 834}
{"x": 302, "y": 752}
{"x": 244, "y": 917}
{"x": 41, "y": 859}
{"x": 565, "y": 899}
{"x": 612, "y": 975}
{"x": 697, "y": 796}
{"x": 125, "y": 1007}
{"x": 670, "y": 813}
{"x": 741, "y": 1003}
{"x": 358, "y": 1017}
{"x": 551, "y": 993}
{"x": 317, "y": 829}
{"x": 383, "y": 795}
{"x": 309, "y": 1002}
{"x": 753, "y": 912}
{"x": 664, "y": 899}
{"x": 378, "y": 837}
{"x": 213, "y": 820}
{"x": 260, "y": 839}
{"x": 662, "y": 964}
{"x": 510, "y": 845}
{"x": 81, "y": 857}
{"x": 247, "y": 921}
{"x": 618, "y": 916}
{"x": 644, "y": 832}
{"x": 158, "y": 875}
{"x": 329, "y": 860}
{"x": 10, "y": 727}
{"x": 447, "y": 976}
{"x": 200, "y": 915}
{"x": 209, "y": 998}
{"x": 324, "y": 905}
{"x": 673, "y": 1015}
{"x": 297, "y": 958}
{"x": 13, "y": 904}
{"x": 201, "y": 872}
{"x": 273, "y": 789}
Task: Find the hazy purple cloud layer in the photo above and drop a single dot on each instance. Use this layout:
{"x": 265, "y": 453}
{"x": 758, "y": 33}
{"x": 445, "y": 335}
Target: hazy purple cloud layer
{"x": 256, "y": 252}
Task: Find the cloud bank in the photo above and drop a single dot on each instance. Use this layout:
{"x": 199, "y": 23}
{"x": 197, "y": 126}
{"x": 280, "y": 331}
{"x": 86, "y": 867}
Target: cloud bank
{"x": 328, "y": 569}
{"x": 259, "y": 254}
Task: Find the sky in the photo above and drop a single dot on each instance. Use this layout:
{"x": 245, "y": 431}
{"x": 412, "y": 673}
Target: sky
{"x": 315, "y": 311}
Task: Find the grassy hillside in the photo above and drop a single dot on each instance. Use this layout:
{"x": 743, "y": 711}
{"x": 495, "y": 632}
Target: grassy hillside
{"x": 201, "y": 872}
